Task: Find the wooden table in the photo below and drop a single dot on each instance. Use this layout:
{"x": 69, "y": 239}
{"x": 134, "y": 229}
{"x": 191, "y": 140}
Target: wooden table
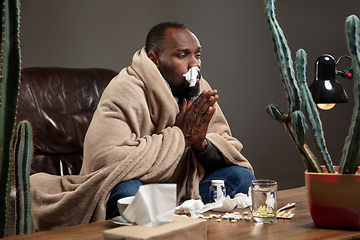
{"x": 299, "y": 227}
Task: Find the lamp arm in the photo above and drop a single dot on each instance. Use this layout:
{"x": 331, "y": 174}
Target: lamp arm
{"x": 347, "y": 73}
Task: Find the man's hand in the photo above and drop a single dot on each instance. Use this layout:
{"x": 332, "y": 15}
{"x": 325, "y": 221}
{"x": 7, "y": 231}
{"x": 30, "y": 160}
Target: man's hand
{"x": 193, "y": 119}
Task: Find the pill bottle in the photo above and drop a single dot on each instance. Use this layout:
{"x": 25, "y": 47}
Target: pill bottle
{"x": 217, "y": 190}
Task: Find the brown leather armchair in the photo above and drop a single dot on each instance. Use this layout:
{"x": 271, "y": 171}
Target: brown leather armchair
{"x": 59, "y": 104}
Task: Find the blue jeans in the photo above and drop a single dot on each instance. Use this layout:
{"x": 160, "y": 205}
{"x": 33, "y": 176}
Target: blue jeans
{"x": 237, "y": 179}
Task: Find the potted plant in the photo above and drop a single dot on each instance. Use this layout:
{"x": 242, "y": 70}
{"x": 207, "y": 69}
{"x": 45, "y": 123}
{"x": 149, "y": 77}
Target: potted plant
{"x": 15, "y": 154}
{"x": 328, "y": 188}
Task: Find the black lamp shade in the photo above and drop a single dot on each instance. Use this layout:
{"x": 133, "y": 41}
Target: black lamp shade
{"x": 325, "y": 88}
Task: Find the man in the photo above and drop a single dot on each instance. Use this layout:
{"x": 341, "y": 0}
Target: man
{"x": 150, "y": 126}
{"x": 174, "y": 50}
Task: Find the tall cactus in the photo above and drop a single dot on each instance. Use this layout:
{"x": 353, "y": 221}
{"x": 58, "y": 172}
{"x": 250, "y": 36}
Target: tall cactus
{"x": 311, "y": 111}
{"x": 350, "y": 158}
{"x": 294, "y": 121}
{"x": 9, "y": 81}
{"x": 283, "y": 57}
{"x": 23, "y": 153}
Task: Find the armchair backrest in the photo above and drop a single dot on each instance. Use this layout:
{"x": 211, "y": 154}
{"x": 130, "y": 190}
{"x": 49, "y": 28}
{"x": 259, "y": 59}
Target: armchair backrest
{"x": 59, "y": 104}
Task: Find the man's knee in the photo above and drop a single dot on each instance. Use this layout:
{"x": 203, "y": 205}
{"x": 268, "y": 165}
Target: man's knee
{"x": 123, "y": 189}
{"x": 238, "y": 179}
{"x": 127, "y": 188}
{"x": 243, "y": 173}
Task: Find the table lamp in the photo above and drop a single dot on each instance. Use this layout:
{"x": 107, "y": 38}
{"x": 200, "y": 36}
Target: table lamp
{"x": 325, "y": 90}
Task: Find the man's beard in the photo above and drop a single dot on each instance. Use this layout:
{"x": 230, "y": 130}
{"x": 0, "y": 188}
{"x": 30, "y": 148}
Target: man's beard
{"x": 182, "y": 90}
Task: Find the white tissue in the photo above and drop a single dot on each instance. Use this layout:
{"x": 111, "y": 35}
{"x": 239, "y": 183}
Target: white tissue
{"x": 190, "y": 206}
{"x": 243, "y": 201}
{"x": 270, "y": 200}
{"x": 153, "y": 205}
{"x": 223, "y": 204}
{"x": 192, "y": 75}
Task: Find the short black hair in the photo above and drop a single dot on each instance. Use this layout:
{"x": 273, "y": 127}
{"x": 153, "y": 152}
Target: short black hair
{"x": 156, "y": 35}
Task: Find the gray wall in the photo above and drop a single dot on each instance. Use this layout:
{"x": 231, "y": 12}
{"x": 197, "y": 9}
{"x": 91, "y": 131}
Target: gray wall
{"x": 237, "y": 58}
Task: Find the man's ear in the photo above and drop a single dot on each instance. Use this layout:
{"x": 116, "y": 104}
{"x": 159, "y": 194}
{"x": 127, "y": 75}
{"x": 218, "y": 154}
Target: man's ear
{"x": 154, "y": 57}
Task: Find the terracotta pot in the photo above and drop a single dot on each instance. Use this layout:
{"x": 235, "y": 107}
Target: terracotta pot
{"x": 334, "y": 199}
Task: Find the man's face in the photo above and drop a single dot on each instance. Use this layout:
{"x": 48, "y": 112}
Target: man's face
{"x": 181, "y": 51}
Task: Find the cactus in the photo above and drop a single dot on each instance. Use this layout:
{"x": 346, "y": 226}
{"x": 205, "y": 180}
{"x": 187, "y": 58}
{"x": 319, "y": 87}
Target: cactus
{"x": 274, "y": 112}
{"x": 9, "y": 83}
{"x": 23, "y": 153}
{"x": 283, "y": 57}
{"x": 311, "y": 111}
{"x": 299, "y": 127}
{"x": 294, "y": 121}
{"x": 350, "y": 158}
{"x": 296, "y": 127}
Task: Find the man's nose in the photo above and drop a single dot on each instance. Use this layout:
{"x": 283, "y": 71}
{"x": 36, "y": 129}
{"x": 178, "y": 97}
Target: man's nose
{"x": 194, "y": 62}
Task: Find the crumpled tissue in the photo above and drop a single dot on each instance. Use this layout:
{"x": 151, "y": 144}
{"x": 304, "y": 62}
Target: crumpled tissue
{"x": 192, "y": 75}
{"x": 153, "y": 205}
{"x": 270, "y": 200}
{"x": 223, "y": 204}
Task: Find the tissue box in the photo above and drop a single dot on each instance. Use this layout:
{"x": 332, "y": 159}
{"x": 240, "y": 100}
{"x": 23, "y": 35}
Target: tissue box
{"x": 181, "y": 228}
